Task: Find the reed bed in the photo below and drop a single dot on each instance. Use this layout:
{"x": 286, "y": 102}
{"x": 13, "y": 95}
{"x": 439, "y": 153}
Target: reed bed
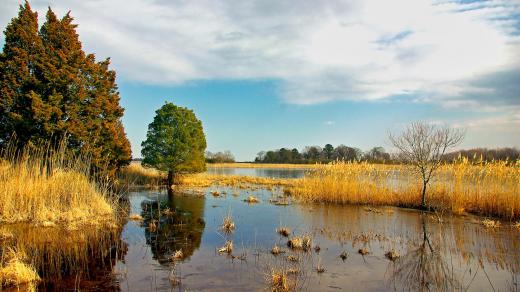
{"x": 136, "y": 174}
{"x": 206, "y": 180}
{"x": 45, "y": 186}
{"x": 485, "y": 188}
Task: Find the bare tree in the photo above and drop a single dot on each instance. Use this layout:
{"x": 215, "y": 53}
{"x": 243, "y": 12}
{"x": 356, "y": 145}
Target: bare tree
{"x": 423, "y": 145}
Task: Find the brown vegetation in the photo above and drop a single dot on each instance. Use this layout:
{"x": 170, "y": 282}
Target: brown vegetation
{"x": 45, "y": 187}
{"x": 486, "y": 188}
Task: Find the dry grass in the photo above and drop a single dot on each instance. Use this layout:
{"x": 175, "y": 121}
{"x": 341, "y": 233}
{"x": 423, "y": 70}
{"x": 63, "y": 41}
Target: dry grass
{"x": 205, "y": 180}
{"x": 261, "y": 165}
{"x": 276, "y": 250}
{"x": 228, "y": 225}
{"x": 485, "y": 188}
{"x": 363, "y": 251}
{"x": 135, "y": 217}
{"x": 227, "y": 248}
{"x": 44, "y": 186}
{"x": 251, "y": 200}
{"x": 136, "y": 174}
{"x": 300, "y": 242}
{"x": 283, "y": 231}
{"x": 392, "y": 255}
{"x": 14, "y": 272}
{"x": 491, "y": 223}
{"x": 278, "y": 280}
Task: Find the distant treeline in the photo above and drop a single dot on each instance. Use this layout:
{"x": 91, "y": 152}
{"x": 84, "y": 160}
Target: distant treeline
{"x": 317, "y": 154}
{"x": 313, "y": 154}
{"x": 485, "y": 154}
{"x": 219, "y": 157}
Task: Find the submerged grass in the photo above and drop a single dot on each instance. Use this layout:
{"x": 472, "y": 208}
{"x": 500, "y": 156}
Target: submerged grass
{"x": 486, "y": 188}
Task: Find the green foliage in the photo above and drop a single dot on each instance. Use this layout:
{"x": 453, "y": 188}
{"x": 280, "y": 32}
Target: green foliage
{"x": 50, "y": 90}
{"x": 175, "y": 141}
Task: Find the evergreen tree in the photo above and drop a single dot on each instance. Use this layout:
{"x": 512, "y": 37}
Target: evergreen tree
{"x": 21, "y": 106}
{"x": 175, "y": 142}
{"x": 64, "y": 93}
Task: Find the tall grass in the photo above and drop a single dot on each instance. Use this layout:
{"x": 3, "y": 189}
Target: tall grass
{"x": 48, "y": 186}
{"x": 136, "y": 174}
{"x": 485, "y": 188}
{"x": 260, "y": 165}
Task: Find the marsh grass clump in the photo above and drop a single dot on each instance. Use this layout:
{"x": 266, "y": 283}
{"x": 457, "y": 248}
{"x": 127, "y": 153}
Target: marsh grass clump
{"x": 392, "y": 255}
{"x": 488, "y": 223}
{"x": 46, "y": 184}
{"x": 283, "y": 231}
{"x": 227, "y": 248}
{"x": 517, "y": 225}
{"x": 228, "y": 225}
{"x": 300, "y": 242}
{"x": 276, "y": 250}
{"x": 251, "y": 200}
{"x": 363, "y": 251}
{"x": 278, "y": 280}
{"x": 14, "y": 272}
{"x": 293, "y": 258}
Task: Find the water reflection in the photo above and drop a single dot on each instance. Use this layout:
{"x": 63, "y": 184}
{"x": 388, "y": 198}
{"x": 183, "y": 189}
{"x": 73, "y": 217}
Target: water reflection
{"x": 80, "y": 257}
{"x": 260, "y": 172}
{"x": 423, "y": 268}
{"x": 172, "y": 223}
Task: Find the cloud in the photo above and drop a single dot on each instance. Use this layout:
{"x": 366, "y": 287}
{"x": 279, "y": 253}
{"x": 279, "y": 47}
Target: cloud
{"x": 329, "y": 123}
{"x": 452, "y": 53}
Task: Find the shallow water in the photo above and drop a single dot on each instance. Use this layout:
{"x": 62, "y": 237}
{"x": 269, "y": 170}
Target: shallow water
{"x": 260, "y": 172}
{"x": 457, "y": 254}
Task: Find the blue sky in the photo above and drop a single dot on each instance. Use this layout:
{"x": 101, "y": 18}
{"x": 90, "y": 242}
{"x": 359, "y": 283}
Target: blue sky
{"x": 269, "y": 74}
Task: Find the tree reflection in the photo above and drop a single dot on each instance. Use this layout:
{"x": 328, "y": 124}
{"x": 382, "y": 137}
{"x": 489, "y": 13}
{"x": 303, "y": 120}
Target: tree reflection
{"x": 173, "y": 224}
{"x": 423, "y": 268}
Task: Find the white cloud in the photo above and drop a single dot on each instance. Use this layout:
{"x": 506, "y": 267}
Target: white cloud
{"x": 319, "y": 51}
{"x": 329, "y": 123}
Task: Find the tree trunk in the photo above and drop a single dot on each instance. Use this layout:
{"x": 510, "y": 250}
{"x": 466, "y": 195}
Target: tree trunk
{"x": 170, "y": 179}
{"x": 423, "y": 202}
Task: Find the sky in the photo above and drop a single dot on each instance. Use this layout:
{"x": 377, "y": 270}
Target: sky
{"x": 263, "y": 75}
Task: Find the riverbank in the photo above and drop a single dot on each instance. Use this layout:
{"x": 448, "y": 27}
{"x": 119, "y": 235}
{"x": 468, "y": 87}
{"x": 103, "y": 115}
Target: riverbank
{"x": 45, "y": 190}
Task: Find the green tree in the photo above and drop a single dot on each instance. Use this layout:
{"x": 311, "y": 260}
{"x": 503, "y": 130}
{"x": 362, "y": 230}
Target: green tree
{"x": 50, "y": 90}
{"x": 175, "y": 142}
{"x": 328, "y": 150}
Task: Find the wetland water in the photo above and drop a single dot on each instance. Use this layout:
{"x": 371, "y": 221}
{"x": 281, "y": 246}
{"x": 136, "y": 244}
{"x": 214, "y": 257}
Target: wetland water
{"x": 457, "y": 254}
{"x": 260, "y": 172}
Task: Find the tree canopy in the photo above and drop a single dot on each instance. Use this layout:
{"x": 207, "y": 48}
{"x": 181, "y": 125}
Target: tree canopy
{"x": 175, "y": 141}
{"x": 50, "y": 90}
